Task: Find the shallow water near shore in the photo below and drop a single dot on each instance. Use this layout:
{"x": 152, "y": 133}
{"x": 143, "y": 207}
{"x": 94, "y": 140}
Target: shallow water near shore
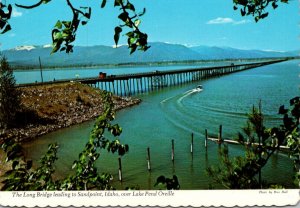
{"x": 175, "y": 113}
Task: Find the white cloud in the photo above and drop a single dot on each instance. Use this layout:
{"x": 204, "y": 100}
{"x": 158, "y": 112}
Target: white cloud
{"x": 241, "y": 22}
{"x": 226, "y": 20}
{"x": 220, "y": 20}
{"x": 270, "y": 50}
{"x": 47, "y": 46}
{"x": 21, "y": 48}
{"x": 16, "y": 13}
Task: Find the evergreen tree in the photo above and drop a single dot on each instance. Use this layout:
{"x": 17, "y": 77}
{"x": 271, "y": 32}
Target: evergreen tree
{"x": 9, "y": 95}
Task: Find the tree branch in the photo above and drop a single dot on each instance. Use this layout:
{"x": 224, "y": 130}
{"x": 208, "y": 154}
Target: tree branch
{"x": 30, "y": 7}
{"x": 74, "y": 10}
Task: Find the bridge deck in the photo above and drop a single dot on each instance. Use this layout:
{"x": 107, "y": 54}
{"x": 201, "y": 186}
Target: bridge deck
{"x": 128, "y": 84}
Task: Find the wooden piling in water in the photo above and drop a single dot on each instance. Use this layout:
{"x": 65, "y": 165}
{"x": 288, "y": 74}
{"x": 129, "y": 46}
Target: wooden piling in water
{"x": 192, "y": 143}
{"x": 113, "y": 87}
{"x": 206, "y": 137}
{"x": 173, "y": 152}
{"x": 120, "y": 169}
{"x": 148, "y": 159}
{"x": 220, "y": 135}
{"x": 141, "y": 84}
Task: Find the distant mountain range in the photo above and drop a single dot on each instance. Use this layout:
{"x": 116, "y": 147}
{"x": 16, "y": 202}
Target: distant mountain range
{"x": 159, "y": 52}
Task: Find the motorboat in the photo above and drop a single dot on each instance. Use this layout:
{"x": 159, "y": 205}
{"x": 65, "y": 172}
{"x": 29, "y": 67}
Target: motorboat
{"x": 199, "y": 88}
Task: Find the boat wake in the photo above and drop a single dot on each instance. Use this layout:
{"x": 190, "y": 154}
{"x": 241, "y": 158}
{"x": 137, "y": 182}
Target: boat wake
{"x": 187, "y": 93}
{"x": 177, "y": 111}
{"x": 182, "y": 96}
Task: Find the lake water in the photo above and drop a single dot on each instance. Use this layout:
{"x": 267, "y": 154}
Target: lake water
{"x": 175, "y": 113}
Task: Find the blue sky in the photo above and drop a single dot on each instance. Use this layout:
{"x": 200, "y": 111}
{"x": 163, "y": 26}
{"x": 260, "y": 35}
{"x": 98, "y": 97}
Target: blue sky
{"x": 187, "y": 22}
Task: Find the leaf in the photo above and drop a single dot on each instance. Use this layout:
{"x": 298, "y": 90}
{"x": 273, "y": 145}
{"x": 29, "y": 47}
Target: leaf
{"x": 241, "y": 138}
{"x": 83, "y": 22}
{"x": 28, "y": 164}
{"x": 294, "y": 100}
{"x": 257, "y": 18}
{"x": 130, "y": 6}
{"x": 121, "y": 151}
{"x": 58, "y": 24}
{"x": 88, "y": 14}
{"x": 67, "y": 24}
{"x": 103, "y": 3}
{"x": 264, "y": 15}
{"x": 133, "y": 48}
{"x": 57, "y": 36}
{"x": 14, "y": 164}
{"x": 282, "y": 110}
{"x": 137, "y": 22}
{"x": 117, "y": 3}
{"x": 288, "y": 122}
{"x": 243, "y": 12}
{"x": 160, "y": 180}
{"x": 251, "y": 9}
{"x": 69, "y": 48}
{"x": 242, "y": 2}
{"x": 274, "y": 5}
{"x": 6, "y": 29}
{"x": 123, "y": 16}
{"x": 74, "y": 164}
{"x": 118, "y": 30}
{"x": 46, "y": 1}
{"x": 130, "y": 34}
{"x": 142, "y": 13}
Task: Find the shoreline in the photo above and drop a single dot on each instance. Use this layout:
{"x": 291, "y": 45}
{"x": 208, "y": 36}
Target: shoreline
{"x": 75, "y": 104}
{"x": 21, "y": 68}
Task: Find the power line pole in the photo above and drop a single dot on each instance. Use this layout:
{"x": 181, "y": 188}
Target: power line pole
{"x": 41, "y": 69}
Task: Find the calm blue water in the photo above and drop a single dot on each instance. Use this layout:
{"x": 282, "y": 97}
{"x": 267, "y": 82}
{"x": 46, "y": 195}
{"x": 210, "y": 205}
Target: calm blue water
{"x": 174, "y": 113}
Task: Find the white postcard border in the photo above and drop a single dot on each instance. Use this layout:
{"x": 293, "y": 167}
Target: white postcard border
{"x": 162, "y": 198}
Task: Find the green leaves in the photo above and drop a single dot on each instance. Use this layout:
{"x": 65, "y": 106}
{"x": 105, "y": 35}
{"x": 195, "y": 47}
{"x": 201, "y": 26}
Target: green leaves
{"x": 22, "y": 176}
{"x": 118, "y": 30}
{"x": 282, "y": 110}
{"x": 130, "y": 6}
{"x": 242, "y": 172}
{"x": 167, "y": 183}
{"x": 5, "y": 16}
{"x": 64, "y": 32}
{"x": 87, "y": 176}
{"x": 256, "y": 8}
{"x": 6, "y": 29}
{"x": 274, "y": 5}
{"x": 118, "y": 3}
{"x": 103, "y": 3}
{"x": 135, "y": 38}
{"x": 124, "y": 16}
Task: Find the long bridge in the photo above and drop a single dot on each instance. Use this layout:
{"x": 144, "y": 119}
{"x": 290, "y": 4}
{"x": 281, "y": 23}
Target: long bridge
{"x": 130, "y": 84}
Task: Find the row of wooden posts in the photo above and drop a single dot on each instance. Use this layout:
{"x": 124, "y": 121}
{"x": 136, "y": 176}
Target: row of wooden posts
{"x": 219, "y": 141}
